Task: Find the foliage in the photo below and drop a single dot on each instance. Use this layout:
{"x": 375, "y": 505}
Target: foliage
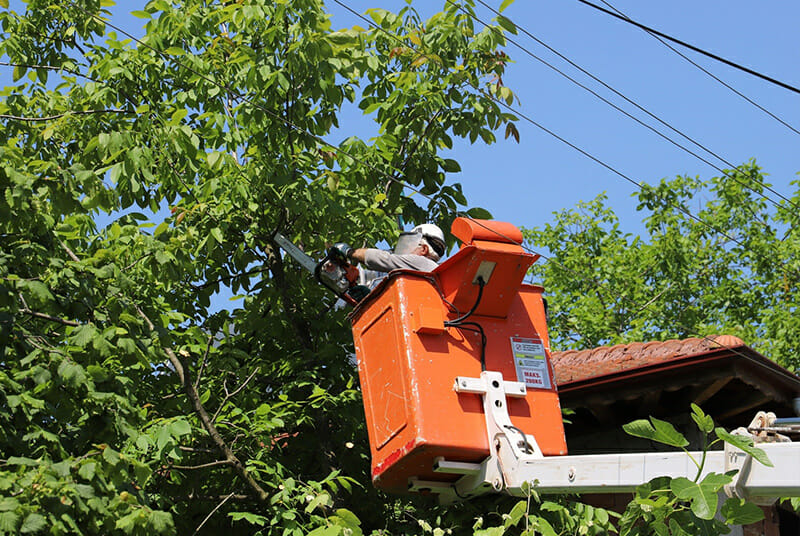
{"x": 139, "y": 180}
{"x": 716, "y": 258}
{"x": 681, "y": 506}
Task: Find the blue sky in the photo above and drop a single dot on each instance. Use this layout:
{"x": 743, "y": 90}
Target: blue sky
{"x": 524, "y": 183}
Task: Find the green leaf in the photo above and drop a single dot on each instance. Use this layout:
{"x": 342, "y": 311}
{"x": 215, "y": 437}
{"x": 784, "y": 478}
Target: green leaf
{"x": 505, "y": 4}
{"x": 745, "y": 444}
{"x": 348, "y": 519}
{"x": 8, "y": 504}
{"x": 38, "y": 290}
{"x": 161, "y": 522}
{"x": 180, "y": 428}
{"x": 703, "y": 495}
{"x": 544, "y": 527}
{"x": 656, "y": 430}
{"x": 174, "y": 51}
{"x": 507, "y": 25}
{"x": 8, "y": 522}
{"x": 111, "y": 456}
{"x": 33, "y": 523}
{"x": 740, "y": 512}
{"x": 516, "y": 513}
{"x": 479, "y": 213}
{"x": 216, "y": 232}
{"x": 82, "y": 335}
{"x": 320, "y": 500}
{"x": 450, "y": 165}
{"x": 704, "y": 422}
{"x": 128, "y": 522}
{"x": 253, "y": 519}
{"x": 4, "y": 4}
{"x": 87, "y": 470}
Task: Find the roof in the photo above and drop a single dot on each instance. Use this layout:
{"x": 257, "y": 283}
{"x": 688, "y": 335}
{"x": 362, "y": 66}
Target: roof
{"x": 616, "y": 384}
{"x": 575, "y": 365}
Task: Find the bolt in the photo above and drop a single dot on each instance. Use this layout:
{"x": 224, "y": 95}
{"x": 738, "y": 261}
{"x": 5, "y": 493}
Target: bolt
{"x": 497, "y": 485}
{"x": 463, "y": 383}
{"x": 571, "y": 474}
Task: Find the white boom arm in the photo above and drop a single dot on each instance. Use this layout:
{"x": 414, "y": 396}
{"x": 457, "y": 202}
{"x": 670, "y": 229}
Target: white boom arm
{"x": 515, "y": 461}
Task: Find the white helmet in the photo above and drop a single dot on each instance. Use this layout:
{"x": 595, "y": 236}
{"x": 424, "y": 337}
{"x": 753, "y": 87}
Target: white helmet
{"x": 433, "y": 236}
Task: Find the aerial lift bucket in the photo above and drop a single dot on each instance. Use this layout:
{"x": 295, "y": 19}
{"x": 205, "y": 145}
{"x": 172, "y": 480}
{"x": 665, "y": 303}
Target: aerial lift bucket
{"x": 417, "y": 332}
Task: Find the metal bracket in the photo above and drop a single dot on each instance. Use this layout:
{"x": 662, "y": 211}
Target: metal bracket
{"x": 515, "y": 461}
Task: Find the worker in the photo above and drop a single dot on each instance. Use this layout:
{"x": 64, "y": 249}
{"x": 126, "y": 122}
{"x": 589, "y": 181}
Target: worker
{"x": 419, "y": 249}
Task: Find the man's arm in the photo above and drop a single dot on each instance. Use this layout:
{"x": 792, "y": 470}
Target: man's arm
{"x": 383, "y": 261}
{"x": 358, "y": 255}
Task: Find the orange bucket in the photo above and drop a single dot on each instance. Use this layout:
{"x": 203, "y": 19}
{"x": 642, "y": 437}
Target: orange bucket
{"x": 408, "y": 359}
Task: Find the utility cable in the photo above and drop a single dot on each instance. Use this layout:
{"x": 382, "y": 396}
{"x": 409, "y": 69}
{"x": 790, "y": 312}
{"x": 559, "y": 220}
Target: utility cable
{"x": 712, "y": 75}
{"x": 632, "y": 102}
{"x": 400, "y": 182}
{"x": 591, "y": 157}
{"x": 694, "y": 48}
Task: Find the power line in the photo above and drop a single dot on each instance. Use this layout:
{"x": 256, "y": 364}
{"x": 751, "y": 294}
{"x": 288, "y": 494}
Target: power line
{"x": 588, "y": 155}
{"x": 634, "y": 103}
{"x": 393, "y": 179}
{"x": 709, "y": 73}
{"x": 694, "y": 48}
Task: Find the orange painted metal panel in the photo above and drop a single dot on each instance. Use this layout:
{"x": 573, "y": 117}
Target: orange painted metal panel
{"x": 407, "y": 374}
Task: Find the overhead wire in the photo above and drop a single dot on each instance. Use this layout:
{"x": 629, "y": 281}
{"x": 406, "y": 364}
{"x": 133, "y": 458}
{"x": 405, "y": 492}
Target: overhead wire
{"x": 634, "y": 103}
{"x": 694, "y": 48}
{"x": 389, "y": 177}
{"x": 710, "y": 74}
{"x": 588, "y": 155}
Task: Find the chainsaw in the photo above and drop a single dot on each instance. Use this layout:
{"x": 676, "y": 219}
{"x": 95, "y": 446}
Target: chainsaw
{"x": 333, "y": 272}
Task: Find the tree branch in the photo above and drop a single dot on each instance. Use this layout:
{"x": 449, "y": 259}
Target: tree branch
{"x": 69, "y": 251}
{"x": 201, "y": 466}
{"x": 228, "y": 395}
{"x": 59, "y": 116}
{"x": 44, "y": 316}
{"x": 203, "y": 363}
{"x": 50, "y": 68}
{"x": 211, "y": 513}
{"x": 205, "y": 419}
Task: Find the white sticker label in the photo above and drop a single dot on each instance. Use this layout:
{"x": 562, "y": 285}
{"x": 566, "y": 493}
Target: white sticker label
{"x": 530, "y": 362}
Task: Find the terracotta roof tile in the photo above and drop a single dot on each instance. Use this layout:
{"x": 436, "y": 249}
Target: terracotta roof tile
{"x": 575, "y": 365}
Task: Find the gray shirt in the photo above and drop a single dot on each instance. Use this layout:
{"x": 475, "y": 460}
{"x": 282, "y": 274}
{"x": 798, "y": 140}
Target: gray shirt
{"x": 383, "y": 261}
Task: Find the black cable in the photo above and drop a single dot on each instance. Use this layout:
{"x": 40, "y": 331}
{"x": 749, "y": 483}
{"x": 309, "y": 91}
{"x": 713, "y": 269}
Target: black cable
{"x": 632, "y": 102}
{"x": 694, "y": 48}
{"x": 527, "y": 447}
{"x": 460, "y": 320}
{"x": 477, "y": 328}
{"x": 709, "y": 73}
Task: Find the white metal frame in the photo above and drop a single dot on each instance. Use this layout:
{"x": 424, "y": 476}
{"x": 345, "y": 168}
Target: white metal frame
{"x": 516, "y": 461}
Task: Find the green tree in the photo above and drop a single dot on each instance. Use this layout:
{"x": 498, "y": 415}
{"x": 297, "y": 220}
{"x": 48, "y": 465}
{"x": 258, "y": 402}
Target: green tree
{"x": 141, "y": 178}
{"x": 718, "y": 256}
